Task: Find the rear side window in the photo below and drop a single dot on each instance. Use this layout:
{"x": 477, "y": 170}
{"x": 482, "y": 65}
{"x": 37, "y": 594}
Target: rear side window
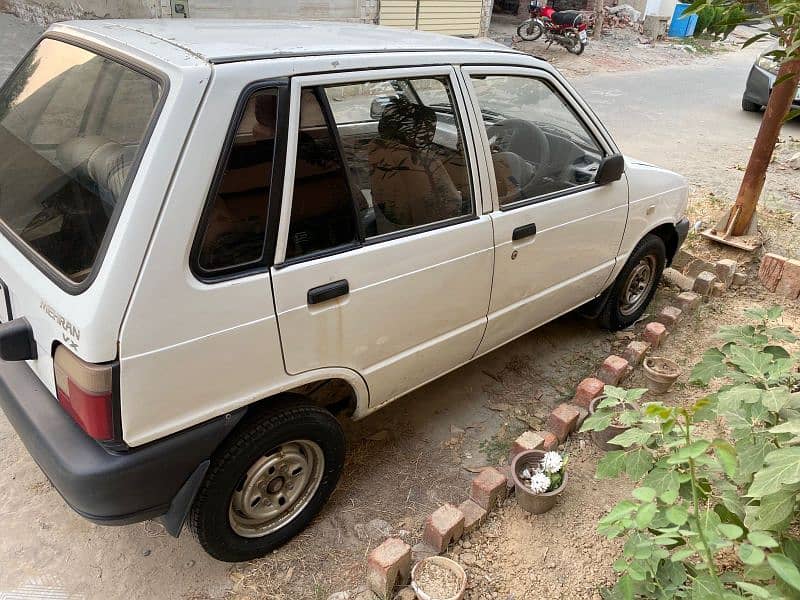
{"x": 233, "y": 233}
{"x": 72, "y": 124}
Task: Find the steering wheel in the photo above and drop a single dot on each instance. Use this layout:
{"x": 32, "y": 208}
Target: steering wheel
{"x": 522, "y": 138}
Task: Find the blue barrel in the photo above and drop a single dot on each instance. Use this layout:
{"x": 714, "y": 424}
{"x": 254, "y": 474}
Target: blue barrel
{"x": 682, "y": 26}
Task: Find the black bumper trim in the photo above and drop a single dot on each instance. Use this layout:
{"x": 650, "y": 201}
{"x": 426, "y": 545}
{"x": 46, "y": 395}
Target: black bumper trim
{"x": 682, "y": 229}
{"x": 104, "y": 487}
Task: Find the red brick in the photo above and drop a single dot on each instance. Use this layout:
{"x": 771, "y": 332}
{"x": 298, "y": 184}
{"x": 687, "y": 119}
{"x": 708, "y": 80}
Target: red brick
{"x": 443, "y": 527}
{"x": 527, "y": 441}
{"x": 550, "y": 441}
{"x": 789, "y": 285}
{"x": 389, "y": 566}
{"x": 770, "y": 270}
{"x": 474, "y": 515}
{"x": 506, "y": 470}
{"x": 613, "y": 370}
{"x": 717, "y": 289}
{"x": 739, "y": 279}
{"x": 687, "y": 301}
{"x": 489, "y": 488}
{"x": 635, "y": 351}
{"x": 724, "y": 270}
{"x": 587, "y": 390}
{"x": 654, "y": 334}
{"x": 704, "y": 283}
{"x": 562, "y": 420}
{"x": 668, "y": 316}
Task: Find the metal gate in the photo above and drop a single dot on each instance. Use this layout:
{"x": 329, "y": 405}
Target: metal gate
{"x": 453, "y": 17}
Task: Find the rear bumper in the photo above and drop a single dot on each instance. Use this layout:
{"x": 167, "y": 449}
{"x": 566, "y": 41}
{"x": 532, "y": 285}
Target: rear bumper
{"x": 104, "y": 487}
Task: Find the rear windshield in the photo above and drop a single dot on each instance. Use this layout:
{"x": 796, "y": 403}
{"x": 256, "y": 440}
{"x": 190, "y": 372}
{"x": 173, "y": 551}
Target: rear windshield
{"x": 71, "y": 124}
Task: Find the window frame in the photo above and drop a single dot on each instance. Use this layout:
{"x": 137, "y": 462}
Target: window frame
{"x": 281, "y": 85}
{"x": 40, "y": 262}
{"x": 572, "y": 102}
{"x": 321, "y": 80}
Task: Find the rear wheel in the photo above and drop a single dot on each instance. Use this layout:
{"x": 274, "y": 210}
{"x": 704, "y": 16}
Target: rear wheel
{"x": 270, "y": 478}
{"x": 748, "y": 106}
{"x": 636, "y": 284}
{"x": 530, "y": 30}
{"x": 576, "y": 46}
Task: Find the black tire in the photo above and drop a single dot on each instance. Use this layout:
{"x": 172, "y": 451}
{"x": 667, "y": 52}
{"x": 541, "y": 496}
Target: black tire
{"x": 617, "y": 313}
{"x": 530, "y": 30}
{"x": 289, "y": 418}
{"x": 748, "y": 106}
{"x": 577, "y": 46}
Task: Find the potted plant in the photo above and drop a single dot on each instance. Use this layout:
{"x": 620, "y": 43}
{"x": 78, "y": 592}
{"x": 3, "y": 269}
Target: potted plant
{"x": 660, "y": 374}
{"x": 612, "y": 414}
{"x": 539, "y": 478}
{"x": 438, "y": 578}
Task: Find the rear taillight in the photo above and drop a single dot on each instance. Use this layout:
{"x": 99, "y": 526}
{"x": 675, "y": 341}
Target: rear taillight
{"x": 86, "y": 392}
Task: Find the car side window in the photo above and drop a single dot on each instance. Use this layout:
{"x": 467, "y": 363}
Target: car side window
{"x": 322, "y": 208}
{"x": 234, "y": 228}
{"x": 538, "y": 144}
{"x": 405, "y": 158}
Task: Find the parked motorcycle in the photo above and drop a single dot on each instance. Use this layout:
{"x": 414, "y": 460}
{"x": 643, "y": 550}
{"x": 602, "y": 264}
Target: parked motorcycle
{"x": 566, "y": 28}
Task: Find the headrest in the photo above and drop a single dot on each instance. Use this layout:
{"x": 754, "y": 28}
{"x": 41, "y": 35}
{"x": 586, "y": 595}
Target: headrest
{"x": 310, "y": 112}
{"x": 265, "y": 111}
{"x": 410, "y": 124}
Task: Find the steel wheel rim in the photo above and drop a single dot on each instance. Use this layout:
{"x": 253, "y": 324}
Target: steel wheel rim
{"x": 637, "y": 286}
{"x": 276, "y": 488}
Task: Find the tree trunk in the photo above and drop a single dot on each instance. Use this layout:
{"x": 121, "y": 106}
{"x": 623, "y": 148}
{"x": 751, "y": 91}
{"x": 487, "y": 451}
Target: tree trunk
{"x": 598, "y": 19}
{"x": 780, "y": 101}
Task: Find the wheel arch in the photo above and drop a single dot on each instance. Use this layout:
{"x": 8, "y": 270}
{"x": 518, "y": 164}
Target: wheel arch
{"x": 669, "y": 235}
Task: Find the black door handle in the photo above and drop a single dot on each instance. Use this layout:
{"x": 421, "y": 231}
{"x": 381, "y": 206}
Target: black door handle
{"x": 329, "y": 291}
{"x": 524, "y": 231}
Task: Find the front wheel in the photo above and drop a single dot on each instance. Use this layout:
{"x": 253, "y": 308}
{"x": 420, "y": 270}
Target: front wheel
{"x": 636, "y": 284}
{"x": 574, "y": 44}
{"x": 268, "y": 480}
{"x": 530, "y": 30}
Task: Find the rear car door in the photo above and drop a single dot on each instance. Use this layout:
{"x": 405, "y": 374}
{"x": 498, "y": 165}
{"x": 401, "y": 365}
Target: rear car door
{"x": 557, "y": 232}
{"x": 383, "y": 264}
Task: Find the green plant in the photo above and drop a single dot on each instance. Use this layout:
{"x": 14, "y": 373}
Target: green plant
{"x": 617, "y": 408}
{"x": 711, "y": 518}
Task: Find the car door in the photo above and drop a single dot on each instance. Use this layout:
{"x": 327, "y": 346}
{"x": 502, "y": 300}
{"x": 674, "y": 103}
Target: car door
{"x": 557, "y": 233}
{"x": 383, "y": 264}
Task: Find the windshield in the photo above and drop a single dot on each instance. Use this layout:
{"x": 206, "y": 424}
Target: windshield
{"x": 71, "y": 125}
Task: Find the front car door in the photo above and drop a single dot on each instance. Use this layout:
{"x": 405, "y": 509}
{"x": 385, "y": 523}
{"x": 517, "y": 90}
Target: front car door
{"x": 383, "y": 264}
{"x": 557, "y": 232}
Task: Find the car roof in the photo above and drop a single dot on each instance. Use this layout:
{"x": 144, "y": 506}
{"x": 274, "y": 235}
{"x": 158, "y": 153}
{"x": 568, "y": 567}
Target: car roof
{"x": 230, "y": 40}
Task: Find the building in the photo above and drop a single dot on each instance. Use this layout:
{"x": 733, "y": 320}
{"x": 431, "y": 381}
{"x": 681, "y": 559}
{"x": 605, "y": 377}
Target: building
{"x": 454, "y": 17}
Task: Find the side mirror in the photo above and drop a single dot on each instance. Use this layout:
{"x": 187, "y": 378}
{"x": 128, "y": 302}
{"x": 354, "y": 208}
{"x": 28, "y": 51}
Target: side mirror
{"x": 611, "y": 169}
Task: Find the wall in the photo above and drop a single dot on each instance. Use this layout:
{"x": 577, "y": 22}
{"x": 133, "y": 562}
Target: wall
{"x": 44, "y": 12}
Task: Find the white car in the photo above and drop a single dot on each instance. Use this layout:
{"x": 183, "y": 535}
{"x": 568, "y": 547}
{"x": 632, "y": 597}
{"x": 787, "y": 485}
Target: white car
{"x": 219, "y": 237}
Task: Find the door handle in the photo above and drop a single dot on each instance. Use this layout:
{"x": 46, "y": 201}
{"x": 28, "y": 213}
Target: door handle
{"x": 523, "y": 231}
{"x": 328, "y": 291}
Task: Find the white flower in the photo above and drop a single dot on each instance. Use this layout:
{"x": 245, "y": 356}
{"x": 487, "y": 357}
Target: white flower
{"x": 540, "y": 483}
{"x": 551, "y": 462}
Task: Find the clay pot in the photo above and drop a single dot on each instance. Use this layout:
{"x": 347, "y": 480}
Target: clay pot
{"x": 660, "y": 374}
{"x": 533, "y": 503}
{"x": 600, "y": 438}
{"x": 443, "y": 562}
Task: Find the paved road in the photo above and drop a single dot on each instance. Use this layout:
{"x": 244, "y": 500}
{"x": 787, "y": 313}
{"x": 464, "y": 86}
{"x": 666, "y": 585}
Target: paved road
{"x": 685, "y": 118}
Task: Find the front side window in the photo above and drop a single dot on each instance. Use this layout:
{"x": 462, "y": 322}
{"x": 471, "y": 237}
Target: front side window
{"x": 538, "y": 145}
{"x": 72, "y": 124}
{"x": 234, "y": 228}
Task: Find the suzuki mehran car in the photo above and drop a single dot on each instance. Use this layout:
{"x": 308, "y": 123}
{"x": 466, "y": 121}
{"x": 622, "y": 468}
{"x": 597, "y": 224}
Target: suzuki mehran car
{"x": 221, "y": 238}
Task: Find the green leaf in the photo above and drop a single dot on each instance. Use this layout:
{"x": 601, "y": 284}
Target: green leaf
{"x": 751, "y": 362}
{"x": 712, "y": 365}
{"x": 775, "y": 399}
{"x": 750, "y": 555}
{"x": 754, "y": 39}
{"x": 613, "y": 392}
{"x": 677, "y": 514}
{"x": 732, "y": 532}
{"x": 777, "y": 351}
{"x": 682, "y": 554}
{"x": 692, "y": 450}
{"x": 611, "y": 465}
{"x": 792, "y": 426}
{"x": 598, "y": 421}
{"x": 774, "y": 511}
{"x": 751, "y": 452}
{"x": 632, "y": 436}
{"x": 704, "y": 587}
{"x": 761, "y": 539}
{"x": 644, "y": 494}
{"x": 754, "y": 590}
{"x": 663, "y": 481}
{"x": 645, "y": 514}
{"x": 637, "y": 464}
{"x": 774, "y": 312}
{"x": 745, "y": 393}
{"x": 785, "y": 569}
{"x": 622, "y": 509}
{"x": 726, "y": 454}
{"x": 783, "y": 468}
